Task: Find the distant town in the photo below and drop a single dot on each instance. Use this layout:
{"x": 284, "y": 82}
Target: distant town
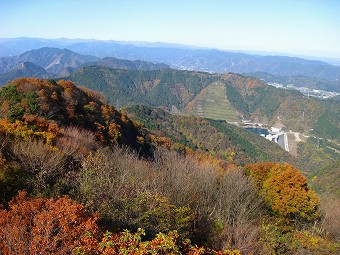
{"x": 306, "y": 91}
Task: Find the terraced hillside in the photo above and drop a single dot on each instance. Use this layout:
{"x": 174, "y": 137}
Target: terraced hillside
{"x": 212, "y": 103}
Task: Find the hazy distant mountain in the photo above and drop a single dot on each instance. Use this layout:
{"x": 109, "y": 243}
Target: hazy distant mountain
{"x": 181, "y": 57}
{"x": 53, "y": 60}
{"x": 56, "y": 60}
{"x": 25, "y": 69}
{"x": 64, "y": 61}
{"x": 17, "y": 46}
{"x": 218, "y": 61}
{"x": 115, "y": 63}
{"x": 212, "y": 60}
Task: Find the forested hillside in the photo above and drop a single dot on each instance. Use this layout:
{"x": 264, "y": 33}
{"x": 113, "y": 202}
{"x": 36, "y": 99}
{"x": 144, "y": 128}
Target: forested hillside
{"x": 288, "y": 108}
{"x": 228, "y": 97}
{"x": 67, "y": 149}
{"x": 209, "y": 137}
{"x": 204, "y": 95}
{"x": 155, "y": 88}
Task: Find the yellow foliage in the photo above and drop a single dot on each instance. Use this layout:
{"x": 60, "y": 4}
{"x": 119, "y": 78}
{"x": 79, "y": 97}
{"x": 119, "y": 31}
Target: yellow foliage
{"x": 20, "y": 130}
{"x": 140, "y": 139}
{"x": 107, "y": 112}
{"x": 90, "y": 106}
{"x": 285, "y": 190}
{"x": 114, "y": 132}
{"x": 158, "y": 140}
{"x": 314, "y": 243}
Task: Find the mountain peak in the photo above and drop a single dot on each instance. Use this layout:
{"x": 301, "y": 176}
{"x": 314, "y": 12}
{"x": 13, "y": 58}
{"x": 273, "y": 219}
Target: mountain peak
{"x": 53, "y": 60}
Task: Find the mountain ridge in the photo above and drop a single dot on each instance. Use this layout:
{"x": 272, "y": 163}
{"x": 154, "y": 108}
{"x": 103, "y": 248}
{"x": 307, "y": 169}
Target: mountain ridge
{"x": 192, "y": 58}
{"x": 55, "y": 62}
{"x": 25, "y": 69}
{"x": 116, "y": 63}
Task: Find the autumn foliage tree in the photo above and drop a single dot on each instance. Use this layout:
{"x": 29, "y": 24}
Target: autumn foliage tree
{"x": 133, "y": 244}
{"x": 44, "y": 226}
{"x": 285, "y": 190}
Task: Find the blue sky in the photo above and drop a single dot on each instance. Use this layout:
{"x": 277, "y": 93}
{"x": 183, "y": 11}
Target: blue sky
{"x": 305, "y": 27}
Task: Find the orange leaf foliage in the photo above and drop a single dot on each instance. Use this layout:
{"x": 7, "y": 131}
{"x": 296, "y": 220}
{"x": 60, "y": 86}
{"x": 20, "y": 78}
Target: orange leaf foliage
{"x": 43, "y": 226}
{"x": 132, "y": 244}
{"x": 285, "y": 190}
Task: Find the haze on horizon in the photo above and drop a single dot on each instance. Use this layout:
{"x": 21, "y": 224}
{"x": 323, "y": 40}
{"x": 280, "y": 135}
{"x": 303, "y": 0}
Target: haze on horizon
{"x": 304, "y": 27}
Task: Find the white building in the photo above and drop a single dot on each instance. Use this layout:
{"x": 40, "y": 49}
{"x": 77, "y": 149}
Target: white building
{"x": 275, "y": 130}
